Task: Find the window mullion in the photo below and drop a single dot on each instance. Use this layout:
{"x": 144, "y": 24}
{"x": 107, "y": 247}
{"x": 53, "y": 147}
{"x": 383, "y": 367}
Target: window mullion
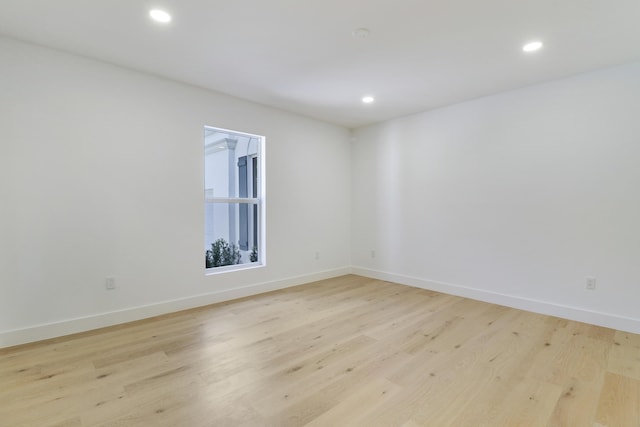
{"x": 248, "y": 200}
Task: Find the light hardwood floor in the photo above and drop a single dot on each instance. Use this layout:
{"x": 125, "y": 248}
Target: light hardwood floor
{"x": 348, "y": 351}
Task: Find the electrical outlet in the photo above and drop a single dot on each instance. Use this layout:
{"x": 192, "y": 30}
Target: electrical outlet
{"x": 373, "y": 253}
{"x": 590, "y": 283}
{"x": 317, "y": 255}
{"x": 110, "y": 283}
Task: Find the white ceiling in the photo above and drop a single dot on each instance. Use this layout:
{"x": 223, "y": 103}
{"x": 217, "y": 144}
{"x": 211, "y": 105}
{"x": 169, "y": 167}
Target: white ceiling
{"x": 300, "y": 55}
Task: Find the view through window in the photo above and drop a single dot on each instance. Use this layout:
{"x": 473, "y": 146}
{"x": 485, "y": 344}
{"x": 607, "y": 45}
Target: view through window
{"x": 233, "y": 208}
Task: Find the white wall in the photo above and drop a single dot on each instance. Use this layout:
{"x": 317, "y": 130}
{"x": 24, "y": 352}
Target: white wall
{"x": 513, "y": 198}
{"x": 102, "y": 175}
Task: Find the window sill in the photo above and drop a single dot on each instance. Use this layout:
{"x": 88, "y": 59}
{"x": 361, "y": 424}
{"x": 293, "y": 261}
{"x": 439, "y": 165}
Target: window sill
{"x": 229, "y": 268}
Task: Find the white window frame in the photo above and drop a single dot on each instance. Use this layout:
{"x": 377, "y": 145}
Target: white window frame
{"x": 258, "y": 201}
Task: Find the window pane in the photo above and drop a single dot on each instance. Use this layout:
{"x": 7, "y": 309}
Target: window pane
{"x": 226, "y": 171}
{"x": 233, "y": 174}
{"x": 232, "y": 227}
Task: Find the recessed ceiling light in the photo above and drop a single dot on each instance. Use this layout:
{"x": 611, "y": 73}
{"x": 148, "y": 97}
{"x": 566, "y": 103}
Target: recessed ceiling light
{"x": 160, "y": 16}
{"x": 360, "y": 33}
{"x": 532, "y": 47}
{"x": 368, "y": 99}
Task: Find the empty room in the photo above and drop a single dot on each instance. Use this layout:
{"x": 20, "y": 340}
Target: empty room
{"x": 297, "y": 213}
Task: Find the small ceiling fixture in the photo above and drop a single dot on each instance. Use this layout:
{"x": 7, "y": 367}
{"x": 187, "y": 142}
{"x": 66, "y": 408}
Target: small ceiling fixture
{"x": 532, "y": 47}
{"x": 368, "y": 99}
{"x": 360, "y": 33}
{"x": 160, "y": 16}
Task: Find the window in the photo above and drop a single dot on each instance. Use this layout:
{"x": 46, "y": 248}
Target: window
{"x": 233, "y": 199}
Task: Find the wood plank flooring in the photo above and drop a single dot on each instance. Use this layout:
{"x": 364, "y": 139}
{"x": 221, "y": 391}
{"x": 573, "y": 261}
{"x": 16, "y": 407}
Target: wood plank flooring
{"x": 349, "y": 351}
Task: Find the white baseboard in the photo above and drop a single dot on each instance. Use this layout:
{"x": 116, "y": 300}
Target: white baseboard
{"x": 608, "y": 320}
{"x": 83, "y": 324}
